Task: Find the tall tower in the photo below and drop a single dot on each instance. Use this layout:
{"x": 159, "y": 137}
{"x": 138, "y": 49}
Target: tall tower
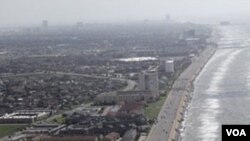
{"x": 169, "y": 66}
{"x": 148, "y": 80}
{"x": 44, "y": 23}
{"x": 168, "y": 18}
{"x": 79, "y": 24}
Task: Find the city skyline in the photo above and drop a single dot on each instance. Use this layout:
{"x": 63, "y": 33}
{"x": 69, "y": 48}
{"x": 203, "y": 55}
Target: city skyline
{"x": 32, "y": 12}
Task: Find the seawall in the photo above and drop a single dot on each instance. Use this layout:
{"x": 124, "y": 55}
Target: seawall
{"x": 202, "y": 60}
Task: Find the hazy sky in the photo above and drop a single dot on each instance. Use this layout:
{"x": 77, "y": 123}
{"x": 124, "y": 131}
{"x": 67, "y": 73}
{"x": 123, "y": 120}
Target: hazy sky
{"x": 24, "y": 12}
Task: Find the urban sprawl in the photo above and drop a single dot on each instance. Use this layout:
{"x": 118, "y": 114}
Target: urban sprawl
{"x": 92, "y": 82}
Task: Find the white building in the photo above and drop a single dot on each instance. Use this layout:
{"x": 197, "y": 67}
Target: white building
{"x": 169, "y": 66}
{"x": 25, "y": 116}
{"x": 148, "y": 80}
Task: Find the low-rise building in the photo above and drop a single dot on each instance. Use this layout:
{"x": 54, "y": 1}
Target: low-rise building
{"x": 69, "y": 138}
{"x": 124, "y": 96}
{"x": 130, "y": 135}
{"x": 24, "y": 116}
{"x": 112, "y": 136}
{"x": 43, "y": 128}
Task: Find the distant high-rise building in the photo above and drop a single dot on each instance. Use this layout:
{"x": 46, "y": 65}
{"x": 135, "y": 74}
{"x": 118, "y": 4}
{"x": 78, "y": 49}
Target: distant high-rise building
{"x": 145, "y": 21}
{"x": 148, "y": 80}
{"x": 79, "y": 24}
{"x": 188, "y": 34}
{"x": 44, "y": 23}
{"x": 169, "y": 66}
{"x": 225, "y": 23}
{"x": 168, "y": 18}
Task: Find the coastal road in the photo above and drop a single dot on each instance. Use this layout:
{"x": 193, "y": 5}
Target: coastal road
{"x": 166, "y": 126}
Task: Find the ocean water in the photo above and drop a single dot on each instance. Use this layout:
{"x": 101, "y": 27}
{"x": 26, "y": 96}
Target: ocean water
{"x": 222, "y": 90}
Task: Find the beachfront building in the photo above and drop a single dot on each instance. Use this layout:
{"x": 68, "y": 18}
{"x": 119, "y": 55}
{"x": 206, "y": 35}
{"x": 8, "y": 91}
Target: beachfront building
{"x": 169, "y": 66}
{"x": 148, "y": 81}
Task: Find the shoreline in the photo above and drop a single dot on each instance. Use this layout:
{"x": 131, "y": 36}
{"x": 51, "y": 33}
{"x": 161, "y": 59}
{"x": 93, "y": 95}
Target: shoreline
{"x": 186, "y": 97}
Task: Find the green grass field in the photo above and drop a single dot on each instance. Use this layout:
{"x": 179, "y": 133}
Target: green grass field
{"x": 153, "y": 109}
{"x": 59, "y": 120}
{"x": 8, "y": 129}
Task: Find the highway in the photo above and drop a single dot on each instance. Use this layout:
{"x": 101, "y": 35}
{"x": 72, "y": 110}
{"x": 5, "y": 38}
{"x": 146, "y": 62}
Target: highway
{"x": 167, "y": 124}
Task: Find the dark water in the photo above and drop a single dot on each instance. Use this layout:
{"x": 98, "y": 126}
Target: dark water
{"x": 222, "y": 90}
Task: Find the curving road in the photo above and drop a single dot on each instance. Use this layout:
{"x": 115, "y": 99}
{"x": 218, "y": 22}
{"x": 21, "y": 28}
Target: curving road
{"x": 131, "y": 84}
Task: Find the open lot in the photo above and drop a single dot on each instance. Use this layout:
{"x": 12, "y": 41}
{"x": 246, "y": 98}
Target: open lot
{"x": 153, "y": 109}
{"x": 7, "y": 129}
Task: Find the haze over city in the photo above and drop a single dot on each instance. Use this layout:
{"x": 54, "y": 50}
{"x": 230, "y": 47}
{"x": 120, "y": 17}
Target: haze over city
{"x": 124, "y": 70}
{"x": 59, "y": 12}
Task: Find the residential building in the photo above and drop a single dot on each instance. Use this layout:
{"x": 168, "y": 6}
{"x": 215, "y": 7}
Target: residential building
{"x": 148, "y": 80}
{"x": 169, "y": 66}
